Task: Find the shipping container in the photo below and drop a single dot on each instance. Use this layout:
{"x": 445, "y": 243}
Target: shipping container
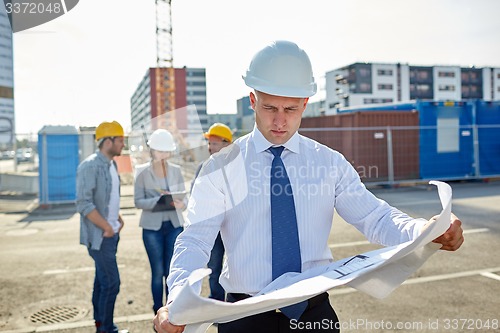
{"x": 382, "y": 146}
{"x": 382, "y": 107}
{"x": 446, "y": 140}
{"x": 488, "y": 127}
{"x": 446, "y": 137}
{"x": 58, "y": 162}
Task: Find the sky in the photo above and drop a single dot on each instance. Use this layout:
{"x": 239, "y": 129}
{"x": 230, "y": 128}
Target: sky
{"x": 82, "y": 68}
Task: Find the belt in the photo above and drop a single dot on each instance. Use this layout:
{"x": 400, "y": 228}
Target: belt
{"x": 311, "y": 302}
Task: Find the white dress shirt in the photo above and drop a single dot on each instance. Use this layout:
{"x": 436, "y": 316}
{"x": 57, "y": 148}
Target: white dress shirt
{"x": 232, "y": 193}
{"x": 114, "y": 198}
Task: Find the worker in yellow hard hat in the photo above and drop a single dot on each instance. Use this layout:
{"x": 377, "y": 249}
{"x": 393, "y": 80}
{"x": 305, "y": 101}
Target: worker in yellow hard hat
{"x": 218, "y": 136}
{"x": 98, "y": 202}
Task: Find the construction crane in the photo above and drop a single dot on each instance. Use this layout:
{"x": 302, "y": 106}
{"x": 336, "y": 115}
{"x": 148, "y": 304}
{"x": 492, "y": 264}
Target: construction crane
{"x": 165, "y": 72}
{"x": 165, "y": 75}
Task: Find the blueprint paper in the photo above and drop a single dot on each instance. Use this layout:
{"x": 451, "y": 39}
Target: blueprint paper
{"x": 376, "y": 273}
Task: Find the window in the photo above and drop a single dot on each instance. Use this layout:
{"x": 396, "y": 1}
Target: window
{"x": 364, "y": 72}
{"x": 376, "y": 100}
{"x": 446, "y": 74}
{"x": 446, "y": 87}
{"x": 384, "y": 72}
{"x": 365, "y": 87}
{"x": 422, "y": 87}
{"x": 384, "y": 86}
{"x": 422, "y": 75}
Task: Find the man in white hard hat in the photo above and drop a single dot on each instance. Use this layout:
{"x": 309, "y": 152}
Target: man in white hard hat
{"x": 272, "y": 194}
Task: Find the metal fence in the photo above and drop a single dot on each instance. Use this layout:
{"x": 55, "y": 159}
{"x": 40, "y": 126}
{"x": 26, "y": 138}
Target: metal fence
{"x": 399, "y": 154}
{"x": 382, "y": 155}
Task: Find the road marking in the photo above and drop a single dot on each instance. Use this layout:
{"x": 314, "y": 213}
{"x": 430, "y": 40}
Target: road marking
{"x": 487, "y": 272}
{"x": 441, "y": 277}
{"x": 365, "y": 242}
{"x": 75, "y": 270}
{"x": 413, "y": 203}
{"x": 491, "y": 275}
{"x": 347, "y": 244}
{"x": 474, "y": 231}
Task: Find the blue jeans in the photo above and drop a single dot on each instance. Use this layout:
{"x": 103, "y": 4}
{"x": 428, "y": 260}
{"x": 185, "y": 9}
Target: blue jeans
{"x": 215, "y": 264}
{"x": 160, "y": 249}
{"x": 106, "y": 283}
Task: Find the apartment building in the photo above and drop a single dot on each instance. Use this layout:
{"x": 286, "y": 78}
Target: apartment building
{"x": 163, "y": 90}
{"x": 373, "y": 83}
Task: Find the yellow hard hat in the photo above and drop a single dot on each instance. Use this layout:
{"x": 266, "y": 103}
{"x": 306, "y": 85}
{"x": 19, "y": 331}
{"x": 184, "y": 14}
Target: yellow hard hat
{"x": 108, "y": 129}
{"x": 220, "y": 130}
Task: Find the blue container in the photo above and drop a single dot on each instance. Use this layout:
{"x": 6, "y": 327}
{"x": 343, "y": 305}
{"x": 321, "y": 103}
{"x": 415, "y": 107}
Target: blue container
{"x": 446, "y": 140}
{"x": 488, "y": 127}
{"x": 58, "y": 153}
{"x": 404, "y": 106}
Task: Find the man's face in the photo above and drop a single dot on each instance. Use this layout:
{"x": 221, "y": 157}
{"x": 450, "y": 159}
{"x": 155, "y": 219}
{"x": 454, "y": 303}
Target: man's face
{"x": 115, "y": 149}
{"x": 277, "y": 117}
{"x": 215, "y": 144}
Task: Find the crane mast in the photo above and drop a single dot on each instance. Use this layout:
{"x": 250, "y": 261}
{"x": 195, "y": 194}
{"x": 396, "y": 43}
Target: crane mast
{"x": 165, "y": 77}
{"x": 165, "y": 73}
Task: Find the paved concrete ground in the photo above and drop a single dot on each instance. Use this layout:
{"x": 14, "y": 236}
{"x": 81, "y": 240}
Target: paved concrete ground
{"x": 46, "y": 275}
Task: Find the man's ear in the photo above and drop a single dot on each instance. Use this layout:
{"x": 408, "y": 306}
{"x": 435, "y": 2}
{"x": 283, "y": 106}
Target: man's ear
{"x": 253, "y": 99}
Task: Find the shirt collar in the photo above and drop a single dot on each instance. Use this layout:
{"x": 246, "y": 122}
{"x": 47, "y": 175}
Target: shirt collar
{"x": 103, "y": 158}
{"x": 261, "y": 143}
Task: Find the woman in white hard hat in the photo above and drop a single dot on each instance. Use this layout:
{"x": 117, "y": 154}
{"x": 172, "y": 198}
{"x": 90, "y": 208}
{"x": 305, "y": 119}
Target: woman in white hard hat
{"x": 161, "y": 221}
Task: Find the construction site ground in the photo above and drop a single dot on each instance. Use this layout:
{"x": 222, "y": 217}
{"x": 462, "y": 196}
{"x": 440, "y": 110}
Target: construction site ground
{"x": 46, "y": 275}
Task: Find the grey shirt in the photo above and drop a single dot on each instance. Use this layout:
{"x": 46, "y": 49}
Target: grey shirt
{"x": 147, "y": 192}
{"x": 93, "y": 190}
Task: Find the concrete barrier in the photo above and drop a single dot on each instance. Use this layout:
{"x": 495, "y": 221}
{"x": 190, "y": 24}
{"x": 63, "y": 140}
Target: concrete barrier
{"x": 26, "y": 182}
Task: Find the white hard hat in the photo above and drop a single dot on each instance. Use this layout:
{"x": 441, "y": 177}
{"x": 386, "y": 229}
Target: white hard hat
{"x": 161, "y": 140}
{"x": 281, "y": 69}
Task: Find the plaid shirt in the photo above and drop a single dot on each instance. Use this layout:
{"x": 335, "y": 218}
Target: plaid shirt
{"x": 93, "y": 189}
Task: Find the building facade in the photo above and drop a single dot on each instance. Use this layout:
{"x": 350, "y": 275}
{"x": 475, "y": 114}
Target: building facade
{"x": 163, "y": 90}
{"x": 373, "y": 83}
{"x": 7, "y": 119}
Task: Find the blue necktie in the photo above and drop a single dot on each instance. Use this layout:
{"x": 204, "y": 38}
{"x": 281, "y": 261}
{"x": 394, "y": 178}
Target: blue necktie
{"x": 285, "y": 236}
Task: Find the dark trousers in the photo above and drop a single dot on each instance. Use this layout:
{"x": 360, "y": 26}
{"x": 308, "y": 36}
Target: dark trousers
{"x": 318, "y": 317}
{"x": 159, "y": 246}
{"x": 106, "y": 283}
{"x": 215, "y": 264}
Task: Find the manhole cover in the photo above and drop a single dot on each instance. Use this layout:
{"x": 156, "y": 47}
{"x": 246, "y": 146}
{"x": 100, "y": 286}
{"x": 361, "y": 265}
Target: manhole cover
{"x": 56, "y": 314}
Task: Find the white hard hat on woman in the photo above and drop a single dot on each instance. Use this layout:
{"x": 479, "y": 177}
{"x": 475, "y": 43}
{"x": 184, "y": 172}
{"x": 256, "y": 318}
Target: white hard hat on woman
{"x": 162, "y": 140}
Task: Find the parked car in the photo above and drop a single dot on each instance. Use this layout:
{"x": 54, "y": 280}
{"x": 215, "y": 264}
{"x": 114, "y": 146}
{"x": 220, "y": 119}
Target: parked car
{"x": 7, "y": 155}
{"x": 24, "y": 155}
